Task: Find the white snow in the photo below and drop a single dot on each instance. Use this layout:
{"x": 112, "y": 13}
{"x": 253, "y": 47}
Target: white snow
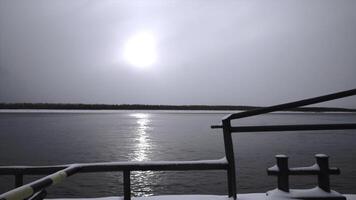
{"x": 301, "y": 193}
{"x": 314, "y": 167}
{"x": 281, "y": 156}
{"x": 249, "y": 196}
{"x": 350, "y": 196}
{"x": 163, "y": 197}
{"x": 321, "y": 155}
{"x": 274, "y": 168}
{"x": 139, "y": 163}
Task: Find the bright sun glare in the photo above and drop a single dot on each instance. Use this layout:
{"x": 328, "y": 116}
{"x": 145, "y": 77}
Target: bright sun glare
{"x": 140, "y": 50}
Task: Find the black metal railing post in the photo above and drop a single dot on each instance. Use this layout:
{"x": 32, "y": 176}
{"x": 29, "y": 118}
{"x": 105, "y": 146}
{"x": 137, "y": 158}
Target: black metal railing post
{"x": 127, "y": 185}
{"x": 229, "y": 152}
{"x": 18, "y": 180}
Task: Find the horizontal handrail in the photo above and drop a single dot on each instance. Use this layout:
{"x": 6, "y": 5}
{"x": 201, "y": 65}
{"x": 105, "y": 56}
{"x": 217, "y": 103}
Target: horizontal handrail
{"x": 30, "y": 189}
{"x": 302, "y": 127}
{"x": 291, "y": 105}
{"x": 118, "y": 166}
{"x": 30, "y": 170}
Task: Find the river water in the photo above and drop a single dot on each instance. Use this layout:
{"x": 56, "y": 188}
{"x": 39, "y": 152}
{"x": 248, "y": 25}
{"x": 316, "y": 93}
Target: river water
{"x": 64, "y": 137}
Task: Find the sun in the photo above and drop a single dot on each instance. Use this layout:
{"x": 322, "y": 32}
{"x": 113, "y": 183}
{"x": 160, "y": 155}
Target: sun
{"x": 140, "y": 50}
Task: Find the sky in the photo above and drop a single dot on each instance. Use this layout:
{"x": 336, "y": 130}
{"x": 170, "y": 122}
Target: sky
{"x": 176, "y": 52}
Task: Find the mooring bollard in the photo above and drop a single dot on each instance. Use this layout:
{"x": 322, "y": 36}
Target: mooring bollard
{"x": 322, "y": 161}
{"x": 321, "y": 169}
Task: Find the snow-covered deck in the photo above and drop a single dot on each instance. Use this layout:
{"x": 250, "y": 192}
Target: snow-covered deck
{"x": 249, "y": 196}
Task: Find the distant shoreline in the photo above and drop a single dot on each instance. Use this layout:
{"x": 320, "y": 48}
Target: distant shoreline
{"x": 62, "y": 106}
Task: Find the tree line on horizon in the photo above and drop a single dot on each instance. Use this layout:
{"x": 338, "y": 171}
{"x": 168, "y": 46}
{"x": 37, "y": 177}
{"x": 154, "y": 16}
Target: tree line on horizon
{"x": 72, "y": 106}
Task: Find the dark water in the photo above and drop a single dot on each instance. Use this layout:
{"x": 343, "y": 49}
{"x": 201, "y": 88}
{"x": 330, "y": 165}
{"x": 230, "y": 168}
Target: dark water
{"x": 60, "y": 138}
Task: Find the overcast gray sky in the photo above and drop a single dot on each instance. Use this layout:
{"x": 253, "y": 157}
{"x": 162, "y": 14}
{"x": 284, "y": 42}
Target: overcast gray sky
{"x": 207, "y": 52}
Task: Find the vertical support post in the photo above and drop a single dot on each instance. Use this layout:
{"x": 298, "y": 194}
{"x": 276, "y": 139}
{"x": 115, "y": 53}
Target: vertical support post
{"x": 283, "y": 175}
{"x": 18, "y": 180}
{"x": 127, "y": 185}
{"x": 229, "y": 152}
{"x": 323, "y": 177}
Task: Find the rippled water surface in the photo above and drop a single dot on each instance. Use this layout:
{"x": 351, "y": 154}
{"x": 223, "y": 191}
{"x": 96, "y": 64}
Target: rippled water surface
{"x": 71, "y": 137}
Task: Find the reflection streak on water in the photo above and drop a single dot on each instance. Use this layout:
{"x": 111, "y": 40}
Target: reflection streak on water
{"x": 142, "y": 181}
{"x": 142, "y": 141}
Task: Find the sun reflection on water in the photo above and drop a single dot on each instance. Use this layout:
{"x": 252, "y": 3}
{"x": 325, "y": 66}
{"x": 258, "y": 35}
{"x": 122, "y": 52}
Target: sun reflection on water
{"x": 142, "y": 182}
{"x": 142, "y": 141}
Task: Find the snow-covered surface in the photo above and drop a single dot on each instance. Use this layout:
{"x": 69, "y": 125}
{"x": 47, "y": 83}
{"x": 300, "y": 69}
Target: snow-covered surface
{"x": 249, "y": 196}
{"x": 163, "y": 197}
{"x": 301, "y": 194}
{"x": 273, "y": 168}
{"x": 350, "y": 196}
{"x": 312, "y": 168}
{"x": 138, "y": 163}
{"x": 252, "y": 196}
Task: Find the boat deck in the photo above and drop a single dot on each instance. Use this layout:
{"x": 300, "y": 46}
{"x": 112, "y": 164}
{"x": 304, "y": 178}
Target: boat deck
{"x": 249, "y": 196}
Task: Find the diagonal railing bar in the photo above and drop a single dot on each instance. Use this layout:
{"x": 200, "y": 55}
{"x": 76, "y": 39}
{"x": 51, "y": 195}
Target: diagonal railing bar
{"x": 290, "y": 105}
{"x": 30, "y": 189}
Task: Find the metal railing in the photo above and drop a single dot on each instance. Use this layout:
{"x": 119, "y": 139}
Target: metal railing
{"x": 60, "y": 172}
{"x": 228, "y": 129}
{"x": 36, "y": 189}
